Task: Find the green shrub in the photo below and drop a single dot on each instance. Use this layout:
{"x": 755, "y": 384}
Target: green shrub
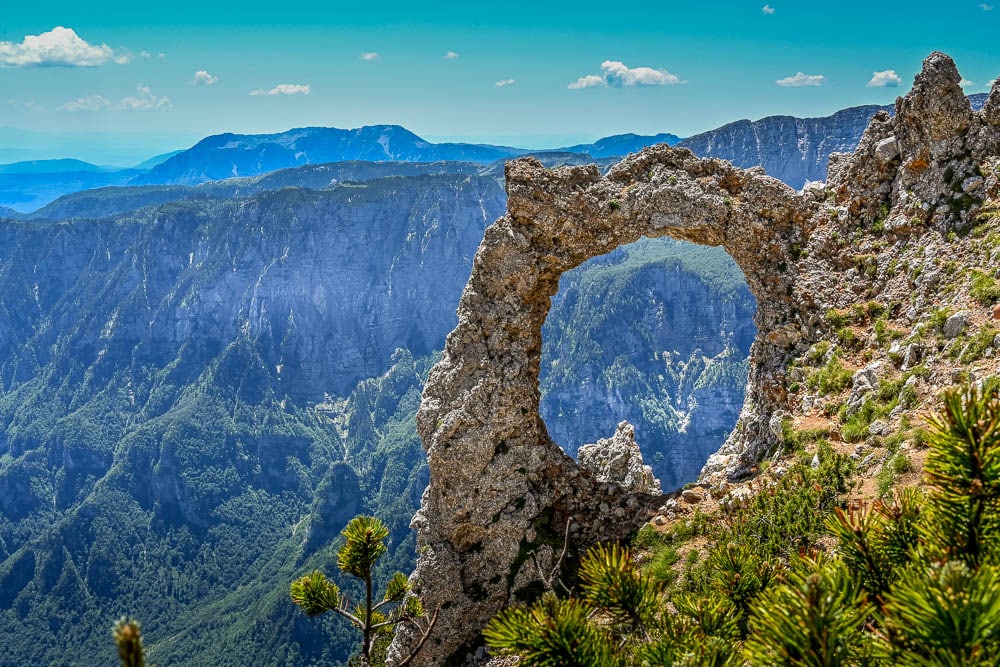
{"x": 814, "y": 618}
{"x": 983, "y": 287}
{"x": 831, "y": 379}
{"x": 796, "y": 439}
{"x": 976, "y": 345}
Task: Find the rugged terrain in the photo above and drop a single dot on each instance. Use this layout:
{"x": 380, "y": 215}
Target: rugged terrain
{"x": 200, "y": 386}
{"x": 918, "y": 198}
{"x": 793, "y": 150}
{"x": 182, "y": 388}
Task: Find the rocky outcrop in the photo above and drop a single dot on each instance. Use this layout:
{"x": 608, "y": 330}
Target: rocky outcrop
{"x": 500, "y": 488}
{"x": 793, "y": 150}
{"x": 618, "y": 460}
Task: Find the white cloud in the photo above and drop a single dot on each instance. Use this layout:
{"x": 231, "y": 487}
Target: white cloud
{"x": 767, "y": 9}
{"x": 144, "y": 100}
{"x": 203, "y": 78}
{"x": 504, "y": 82}
{"x": 28, "y": 105}
{"x": 800, "y": 80}
{"x": 885, "y": 79}
{"x": 965, "y": 83}
{"x": 985, "y": 7}
{"x": 88, "y": 103}
{"x": 451, "y": 55}
{"x": 369, "y": 56}
{"x": 285, "y": 89}
{"x": 589, "y": 81}
{"x": 161, "y": 56}
{"x": 59, "y": 47}
{"x": 616, "y": 74}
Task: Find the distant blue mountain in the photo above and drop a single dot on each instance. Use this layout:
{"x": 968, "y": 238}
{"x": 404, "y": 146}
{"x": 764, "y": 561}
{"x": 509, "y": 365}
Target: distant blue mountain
{"x": 621, "y": 144}
{"x": 791, "y": 149}
{"x": 62, "y": 166}
{"x": 236, "y": 155}
{"x": 145, "y": 165}
{"x": 233, "y": 155}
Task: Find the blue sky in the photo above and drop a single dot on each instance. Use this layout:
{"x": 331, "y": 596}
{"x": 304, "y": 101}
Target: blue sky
{"x": 124, "y": 80}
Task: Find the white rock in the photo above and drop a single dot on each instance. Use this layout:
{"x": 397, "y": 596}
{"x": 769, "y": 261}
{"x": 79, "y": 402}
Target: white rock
{"x": 956, "y": 324}
{"x": 887, "y": 150}
{"x": 972, "y": 183}
{"x": 878, "y": 427}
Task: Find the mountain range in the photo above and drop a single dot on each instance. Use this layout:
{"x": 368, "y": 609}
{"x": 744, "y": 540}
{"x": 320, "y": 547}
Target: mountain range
{"x": 791, "y": 149}
{"x": 200, "y": 384}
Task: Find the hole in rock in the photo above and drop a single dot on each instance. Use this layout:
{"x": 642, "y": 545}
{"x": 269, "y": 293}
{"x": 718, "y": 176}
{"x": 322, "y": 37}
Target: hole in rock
{"x": 658, "y": 333}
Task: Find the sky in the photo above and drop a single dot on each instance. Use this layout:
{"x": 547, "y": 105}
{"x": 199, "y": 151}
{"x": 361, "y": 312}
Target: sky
{"x": 118, "y": 82}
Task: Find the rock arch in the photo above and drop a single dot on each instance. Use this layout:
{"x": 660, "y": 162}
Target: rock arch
{"x": 499, "y": 485}
{"x": 500, "y": 488}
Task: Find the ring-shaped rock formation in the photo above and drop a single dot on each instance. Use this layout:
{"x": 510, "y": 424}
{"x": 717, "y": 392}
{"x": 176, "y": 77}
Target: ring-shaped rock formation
{"x": 500, "y": 486}
{"x": 503, "y": 498}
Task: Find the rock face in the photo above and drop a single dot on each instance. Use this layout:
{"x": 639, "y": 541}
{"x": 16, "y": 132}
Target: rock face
{"x": 618, "y": 460}
{"x": 794, "y": 150}
{"x": 500, "y": 488}
{"x": 183, "y": 382}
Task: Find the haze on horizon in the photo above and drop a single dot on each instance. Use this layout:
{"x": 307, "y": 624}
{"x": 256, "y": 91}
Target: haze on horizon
{"x": 115, "y": 82}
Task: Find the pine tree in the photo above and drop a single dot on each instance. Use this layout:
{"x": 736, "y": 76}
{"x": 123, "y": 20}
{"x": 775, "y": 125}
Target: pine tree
{"x": 914, "y": 580}
{"x": 128, "y": 638}
{"x": 364, "y": 544}
{"x": 815, "y": 619}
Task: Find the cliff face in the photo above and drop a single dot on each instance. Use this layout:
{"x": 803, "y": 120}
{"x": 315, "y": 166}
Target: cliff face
{"x": 657, "y": 334}
{"x": 500, "y": 488}
{"x": 241, "y": 362}
{"x": 180, "y": 390}
{"x": 317, "y": 282}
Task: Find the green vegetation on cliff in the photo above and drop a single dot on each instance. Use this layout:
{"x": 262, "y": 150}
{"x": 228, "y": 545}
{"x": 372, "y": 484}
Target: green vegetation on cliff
{"x": 912, "y": 580}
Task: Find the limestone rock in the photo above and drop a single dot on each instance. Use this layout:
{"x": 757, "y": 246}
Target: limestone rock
{"x": 479, "y": 417}
{"x": 691, "y": 497}
{"x": 878, "y": 427}
{"x": 991, "y": 110}
{"x": 912, "y": 356}
{"x": 617, "y": 459}
{"x": 887, "y": 150}
{"x": 956, "y": 324}
{"x": 863, "y": 383}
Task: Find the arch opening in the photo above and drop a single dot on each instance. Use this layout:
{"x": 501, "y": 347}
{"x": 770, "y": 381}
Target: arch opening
{"x": 656, "y": 333}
